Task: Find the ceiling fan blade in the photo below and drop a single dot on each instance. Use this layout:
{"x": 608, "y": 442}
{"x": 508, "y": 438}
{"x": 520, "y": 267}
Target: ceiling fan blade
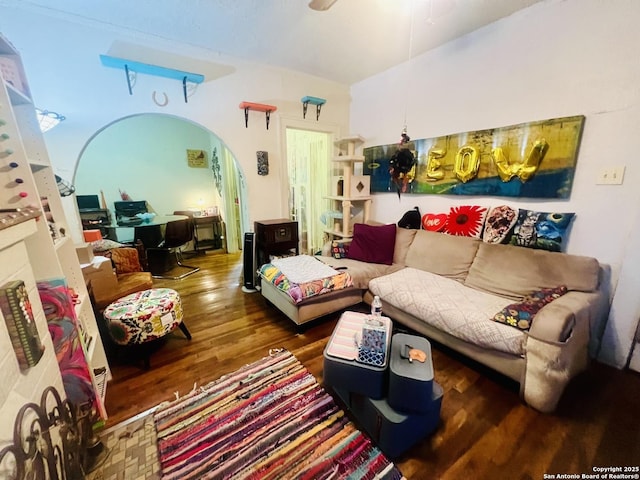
{"x": 321, "y": 5}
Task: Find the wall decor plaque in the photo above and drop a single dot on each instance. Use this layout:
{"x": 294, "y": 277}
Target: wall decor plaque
{"x": 197, "y": 158}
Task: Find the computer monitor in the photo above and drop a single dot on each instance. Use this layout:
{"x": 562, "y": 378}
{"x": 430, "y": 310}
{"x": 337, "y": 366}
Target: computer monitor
{"x": 88, "y": 202}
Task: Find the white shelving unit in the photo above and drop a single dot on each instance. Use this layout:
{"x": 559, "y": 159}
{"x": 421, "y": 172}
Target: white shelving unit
{"x": 350, "y": 189}
{"x": 26, "y": 179}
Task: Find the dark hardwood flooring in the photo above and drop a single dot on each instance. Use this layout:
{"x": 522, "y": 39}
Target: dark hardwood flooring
{"x": 485, "y": 431}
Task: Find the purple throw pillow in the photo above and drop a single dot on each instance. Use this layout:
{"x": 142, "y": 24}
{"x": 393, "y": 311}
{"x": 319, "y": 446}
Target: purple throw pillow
{"x": 520, "y": 315}
{"x": 373, "y": 243}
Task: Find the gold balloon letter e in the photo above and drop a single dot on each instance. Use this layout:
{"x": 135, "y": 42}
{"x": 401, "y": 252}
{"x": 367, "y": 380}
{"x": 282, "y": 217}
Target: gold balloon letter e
{"x": 524, "y": 170}
{"x": 434, "y": 166}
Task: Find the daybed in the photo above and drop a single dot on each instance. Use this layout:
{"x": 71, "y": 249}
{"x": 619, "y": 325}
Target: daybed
{"x": 320, "y": 292}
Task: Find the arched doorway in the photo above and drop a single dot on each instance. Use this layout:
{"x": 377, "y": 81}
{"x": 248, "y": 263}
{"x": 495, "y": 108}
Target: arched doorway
{"x": 172, "y": 163}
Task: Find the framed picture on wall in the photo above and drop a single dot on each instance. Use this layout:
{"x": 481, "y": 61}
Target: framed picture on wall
{"x": 197, "y": 158}
{"x": 263, "y": 162}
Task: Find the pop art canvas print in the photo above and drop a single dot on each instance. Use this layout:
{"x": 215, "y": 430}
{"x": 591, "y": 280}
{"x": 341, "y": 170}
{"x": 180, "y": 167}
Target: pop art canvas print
{"x": 533, "y": 159}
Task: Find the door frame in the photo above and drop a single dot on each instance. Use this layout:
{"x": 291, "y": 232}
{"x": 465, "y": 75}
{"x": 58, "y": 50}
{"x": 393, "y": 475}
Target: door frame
{"x": 294, "y": 122}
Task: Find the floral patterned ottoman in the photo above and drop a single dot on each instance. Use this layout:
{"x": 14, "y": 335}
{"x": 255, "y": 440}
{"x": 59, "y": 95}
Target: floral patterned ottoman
{"x": 145, "y": 316}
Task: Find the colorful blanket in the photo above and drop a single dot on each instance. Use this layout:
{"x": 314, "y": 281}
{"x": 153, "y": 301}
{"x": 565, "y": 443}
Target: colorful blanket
{"x": 313, "y": 283}
{"x": 268, "y": 420}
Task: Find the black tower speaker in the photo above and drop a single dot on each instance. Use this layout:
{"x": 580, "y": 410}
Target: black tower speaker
{"x": 249, "y": 263}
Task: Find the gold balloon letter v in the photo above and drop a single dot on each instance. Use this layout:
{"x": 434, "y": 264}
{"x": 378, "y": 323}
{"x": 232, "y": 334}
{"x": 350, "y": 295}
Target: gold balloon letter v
{"x": 523, "y": 170}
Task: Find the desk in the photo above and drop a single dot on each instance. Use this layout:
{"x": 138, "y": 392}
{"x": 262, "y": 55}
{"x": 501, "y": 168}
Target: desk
{"x": 95, "y": 218}
{"x": 149, "y": 232}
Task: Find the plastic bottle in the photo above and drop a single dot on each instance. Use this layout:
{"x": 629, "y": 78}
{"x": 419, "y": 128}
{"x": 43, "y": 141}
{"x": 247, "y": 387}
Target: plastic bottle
{"x": 376, "y": 307}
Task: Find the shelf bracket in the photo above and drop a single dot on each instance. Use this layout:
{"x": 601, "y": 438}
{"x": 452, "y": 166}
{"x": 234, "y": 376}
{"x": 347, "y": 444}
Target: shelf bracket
{"x": 259, "y": 107}
{"x": 318, "y": 102}
{"x": 131, "y": 79}
{"x": 132, "y": 68}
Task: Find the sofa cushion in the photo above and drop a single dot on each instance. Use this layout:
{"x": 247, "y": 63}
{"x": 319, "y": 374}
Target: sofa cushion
{"x": 373, "y": 243}
{"x": 451, "y": 307}
{"x": 513, "y": 272}
{"x": 404, "y": 238}
{"x": 521, "y": 314}
{"x": 445, "y": 255}
{"x": 125, "y": 260}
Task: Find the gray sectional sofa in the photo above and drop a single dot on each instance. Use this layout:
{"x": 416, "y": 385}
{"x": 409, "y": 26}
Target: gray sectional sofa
{"x": 449, "y": 288}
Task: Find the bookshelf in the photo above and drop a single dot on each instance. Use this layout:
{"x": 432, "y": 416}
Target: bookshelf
{"x": 43, "y": 245}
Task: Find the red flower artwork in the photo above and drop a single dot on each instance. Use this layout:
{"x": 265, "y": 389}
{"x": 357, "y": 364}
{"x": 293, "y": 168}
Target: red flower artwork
{"x": 466, "y": 221}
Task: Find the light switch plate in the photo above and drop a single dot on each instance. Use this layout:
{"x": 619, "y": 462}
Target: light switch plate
{"x": 610, "y": 176}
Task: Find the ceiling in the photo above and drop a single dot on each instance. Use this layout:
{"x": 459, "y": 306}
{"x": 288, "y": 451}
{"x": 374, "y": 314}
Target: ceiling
{"x": 350, "y": 41}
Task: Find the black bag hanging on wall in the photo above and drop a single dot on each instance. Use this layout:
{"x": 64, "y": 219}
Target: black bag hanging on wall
{"x": 411, "y": 219}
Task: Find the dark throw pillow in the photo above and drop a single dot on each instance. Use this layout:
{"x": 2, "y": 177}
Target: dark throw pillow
{"x": 521, "y": 314}
{"x": 410, "y": 219}
{"x": 373, "y": 244}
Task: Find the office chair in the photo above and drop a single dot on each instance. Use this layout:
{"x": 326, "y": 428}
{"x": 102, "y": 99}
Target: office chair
{"x": 177, "y": 234}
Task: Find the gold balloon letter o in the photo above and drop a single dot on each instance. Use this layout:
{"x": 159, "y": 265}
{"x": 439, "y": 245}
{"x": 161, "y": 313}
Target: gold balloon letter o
{"x": 467, "y": 163}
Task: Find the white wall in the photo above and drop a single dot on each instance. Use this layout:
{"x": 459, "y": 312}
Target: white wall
{"x": 555, "y": 59}
{"x": 64, "y": 70}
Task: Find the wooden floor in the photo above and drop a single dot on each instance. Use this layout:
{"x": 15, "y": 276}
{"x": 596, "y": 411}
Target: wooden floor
{"x": 485, "y": 431}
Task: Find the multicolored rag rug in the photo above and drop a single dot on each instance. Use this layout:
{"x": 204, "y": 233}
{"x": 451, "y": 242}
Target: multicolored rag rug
{"x": 268, "y": 420}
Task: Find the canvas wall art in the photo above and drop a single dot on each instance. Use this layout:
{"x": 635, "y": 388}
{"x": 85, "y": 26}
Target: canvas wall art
{"x": 533, "y": 159}
{"x": 18, "y": 315}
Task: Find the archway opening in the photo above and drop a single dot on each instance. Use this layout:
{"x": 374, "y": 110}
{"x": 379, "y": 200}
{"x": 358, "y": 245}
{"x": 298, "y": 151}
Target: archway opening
{"x": 172, "y": 163}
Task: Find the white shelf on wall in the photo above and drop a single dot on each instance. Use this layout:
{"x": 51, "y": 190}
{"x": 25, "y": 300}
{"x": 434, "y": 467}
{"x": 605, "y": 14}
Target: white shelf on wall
{"x": 17, "y": 97}
{"x": 26, "y": 177}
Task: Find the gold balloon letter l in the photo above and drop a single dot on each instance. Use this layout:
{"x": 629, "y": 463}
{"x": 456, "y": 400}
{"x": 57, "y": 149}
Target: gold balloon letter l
{"x": 525, "y": 170}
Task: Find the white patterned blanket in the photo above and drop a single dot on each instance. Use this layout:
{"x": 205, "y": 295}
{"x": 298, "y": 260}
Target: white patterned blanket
{"x": 451, "y": 307}
{"x": 303, "y": 268}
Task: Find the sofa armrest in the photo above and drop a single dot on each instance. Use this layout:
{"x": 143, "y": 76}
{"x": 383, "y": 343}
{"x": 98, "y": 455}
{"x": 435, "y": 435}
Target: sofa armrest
{"x": 557, "y": 347}
{"x": 553, "y": 323}
{"x": 556, "y": 320}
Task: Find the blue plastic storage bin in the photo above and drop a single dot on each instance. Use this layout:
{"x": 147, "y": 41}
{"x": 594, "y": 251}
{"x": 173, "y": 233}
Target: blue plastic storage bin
{"x": 410, "y": 383}
{"x": 392, "y": 431}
